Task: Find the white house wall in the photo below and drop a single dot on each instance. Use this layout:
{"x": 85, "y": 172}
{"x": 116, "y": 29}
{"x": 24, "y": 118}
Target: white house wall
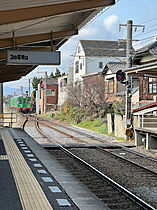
{"x": 89, "y": 64}
{"x": 80, "y": 57}
{"x": 135, "y": 100}
{"x": 92, "y": 63}
{"x": 62, "y": 91}
{"x": 62, "y": 96}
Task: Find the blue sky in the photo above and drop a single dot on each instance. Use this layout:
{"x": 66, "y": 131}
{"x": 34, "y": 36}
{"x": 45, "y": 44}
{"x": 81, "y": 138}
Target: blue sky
{"x": 106, "y": 27}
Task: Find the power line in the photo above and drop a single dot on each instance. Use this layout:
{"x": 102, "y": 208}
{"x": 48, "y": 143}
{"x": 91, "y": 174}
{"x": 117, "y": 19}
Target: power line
{"x": 100, "y": 14}
{"x": 149, "y": 20}
{"x": 148, "y": 38}
{"x": 144, "y": 33}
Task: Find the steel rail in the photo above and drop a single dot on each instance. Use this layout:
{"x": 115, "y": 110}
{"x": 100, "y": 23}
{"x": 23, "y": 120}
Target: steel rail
{"x": 99, "y": 139}
{"x": 26, "y": 120}
{"x": 129, "y": 161}
{"x": 79, "y": 132}
{"x": 97, "y": 147}
{"x": 120, "y": 188}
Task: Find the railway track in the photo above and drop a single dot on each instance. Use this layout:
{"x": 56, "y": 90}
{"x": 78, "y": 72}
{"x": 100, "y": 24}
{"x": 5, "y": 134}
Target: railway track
{"x": 122, "y": 152}
{"x": 108, "y": 191}
{"x": 149, "y": 163}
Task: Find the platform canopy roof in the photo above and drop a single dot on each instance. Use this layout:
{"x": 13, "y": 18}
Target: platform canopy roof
{"x": 40, "y": 25}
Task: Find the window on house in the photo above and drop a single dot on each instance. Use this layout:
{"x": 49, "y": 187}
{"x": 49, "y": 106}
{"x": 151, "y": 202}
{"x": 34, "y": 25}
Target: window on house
{"x": 61, "y": 83}
{"x": 64, "y": 81}
{"x": 80, "y": 66}
{"x": 106, "y": 86}
{"x": 77, "y": 67}
{"x": 79, "y": 49}
{"x": 50, "y": 92}
{"x": 152, "y": 86}
{"x": 100, "y": 65}
{"x": 111, "y": 86}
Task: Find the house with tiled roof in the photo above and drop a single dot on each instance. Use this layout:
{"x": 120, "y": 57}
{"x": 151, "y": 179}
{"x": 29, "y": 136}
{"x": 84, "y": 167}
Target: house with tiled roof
{"x": 112, "y": 86}
{"x": 92, "y": 56}
{"x": 112, "y": 89}
{"x": 145, "y": 66}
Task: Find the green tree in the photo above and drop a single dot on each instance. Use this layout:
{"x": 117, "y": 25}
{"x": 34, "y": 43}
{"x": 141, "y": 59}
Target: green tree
{"x": 57, "y": 73}
{"x": 35, "y": 82}
{"x": 52, "y": 75}
{"x": 63, "y": 73}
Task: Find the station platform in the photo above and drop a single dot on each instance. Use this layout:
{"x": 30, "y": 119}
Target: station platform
{"x": 30, "y": 178}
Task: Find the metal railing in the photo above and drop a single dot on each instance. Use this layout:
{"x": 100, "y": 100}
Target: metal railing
{"x": 7, "y": 119}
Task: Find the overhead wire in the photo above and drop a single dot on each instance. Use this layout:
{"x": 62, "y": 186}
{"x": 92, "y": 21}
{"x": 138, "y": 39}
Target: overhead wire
{"x": 137, "y": 34}
{"x": 100, "y": 14}
{"x": 147, "y": 21}
{"x": 146, "y": 40}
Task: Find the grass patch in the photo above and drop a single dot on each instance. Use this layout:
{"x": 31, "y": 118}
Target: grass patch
{"x": 111, "y": 134}
{"x": 95, "y": 125}
{"x": 119, "y": 138}
{"x": 46, "y": 116}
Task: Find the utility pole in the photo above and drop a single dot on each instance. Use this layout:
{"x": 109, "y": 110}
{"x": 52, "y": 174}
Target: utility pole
{"x": 22, "y": 90}
{"x": 45, "y": 95}
{"x": 129, "y": 50}
{"x": 29, "y": 87}
{"x": 128, "y": 78}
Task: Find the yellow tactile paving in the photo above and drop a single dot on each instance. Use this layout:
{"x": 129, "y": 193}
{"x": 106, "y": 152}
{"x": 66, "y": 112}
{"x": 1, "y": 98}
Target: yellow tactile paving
{"x": 3, "y": 157}
{"x": 31, "y": 195}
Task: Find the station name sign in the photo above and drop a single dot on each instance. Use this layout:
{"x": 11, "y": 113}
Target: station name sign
{"x": 18, "y": 57}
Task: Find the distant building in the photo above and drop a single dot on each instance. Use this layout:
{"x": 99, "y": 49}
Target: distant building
{"x": 112, "y": 86}
{"x": 62, "y": 89}
{"x": 63, "y": 82}
{"x": 107, "y": 85}
{"x": 52, "y": 94}
{"x": 92, "y": 56}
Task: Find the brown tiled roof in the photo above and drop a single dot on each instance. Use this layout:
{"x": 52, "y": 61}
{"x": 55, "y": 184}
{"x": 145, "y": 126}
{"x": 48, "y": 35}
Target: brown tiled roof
{"x": 115, "y": 66}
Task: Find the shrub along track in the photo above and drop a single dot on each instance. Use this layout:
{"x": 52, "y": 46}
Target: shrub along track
{"x": 95, "y": 175}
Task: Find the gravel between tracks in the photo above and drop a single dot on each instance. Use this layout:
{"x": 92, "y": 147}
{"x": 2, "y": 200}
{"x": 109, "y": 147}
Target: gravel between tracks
{"x": 138, "y": 181}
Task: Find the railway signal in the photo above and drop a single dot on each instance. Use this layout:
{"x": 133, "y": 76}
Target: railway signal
{"x": 121, "y": 76}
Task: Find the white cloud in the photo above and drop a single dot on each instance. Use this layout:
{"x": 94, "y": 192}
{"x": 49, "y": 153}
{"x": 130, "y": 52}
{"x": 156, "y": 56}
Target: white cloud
{"x": 110, "y": 23}
{"x": 87, "y": 33}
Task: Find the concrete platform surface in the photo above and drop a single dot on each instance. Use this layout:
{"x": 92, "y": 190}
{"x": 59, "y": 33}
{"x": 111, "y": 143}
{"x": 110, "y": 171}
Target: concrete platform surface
{"x": 55, "y": 185}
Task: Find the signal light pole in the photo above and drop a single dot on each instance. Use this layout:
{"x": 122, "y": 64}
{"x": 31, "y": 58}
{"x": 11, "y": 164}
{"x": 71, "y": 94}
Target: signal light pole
{"x": 128, "y": 78}
{"x": 129, "y": 49}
